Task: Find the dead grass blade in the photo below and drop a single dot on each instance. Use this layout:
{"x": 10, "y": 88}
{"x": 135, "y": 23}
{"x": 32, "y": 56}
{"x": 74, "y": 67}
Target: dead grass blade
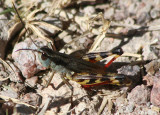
{"x": 44, "y": 109}
{"x": 8, "y": 66}
{"x": 37, "y": 32}
{"x": 101, "y": 36}
{"x": 47, "y": 25}
{"x": 3, "y": 79}
{"x": 16, "y": 28}
{"x": 6, "y": 98}
{"x": 31, "y": 16}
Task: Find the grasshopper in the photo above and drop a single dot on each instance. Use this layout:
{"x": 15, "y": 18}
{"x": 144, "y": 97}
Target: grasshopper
{"x": 84, "y": 71}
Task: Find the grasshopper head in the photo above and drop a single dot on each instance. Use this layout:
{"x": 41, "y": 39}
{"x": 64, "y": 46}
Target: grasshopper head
{"x": 42, "y": 55}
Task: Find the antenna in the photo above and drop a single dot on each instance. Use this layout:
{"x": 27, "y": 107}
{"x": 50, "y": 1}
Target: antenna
{"x": 29, "y": 49}
{"x": 23, "y": 24}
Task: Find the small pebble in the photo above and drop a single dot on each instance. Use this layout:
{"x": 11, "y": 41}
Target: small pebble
{"x": 89, "y": 10}
{"x": 130, "y": 108}
{"x": 32, "y": 81}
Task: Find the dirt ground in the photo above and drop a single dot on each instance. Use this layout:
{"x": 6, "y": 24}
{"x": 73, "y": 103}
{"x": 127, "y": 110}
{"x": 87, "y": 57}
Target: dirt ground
{"x": 78, "y": 28}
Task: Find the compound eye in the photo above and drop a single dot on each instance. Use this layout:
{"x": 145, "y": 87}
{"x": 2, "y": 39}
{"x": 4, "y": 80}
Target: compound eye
{"x": 44, "y": 56}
